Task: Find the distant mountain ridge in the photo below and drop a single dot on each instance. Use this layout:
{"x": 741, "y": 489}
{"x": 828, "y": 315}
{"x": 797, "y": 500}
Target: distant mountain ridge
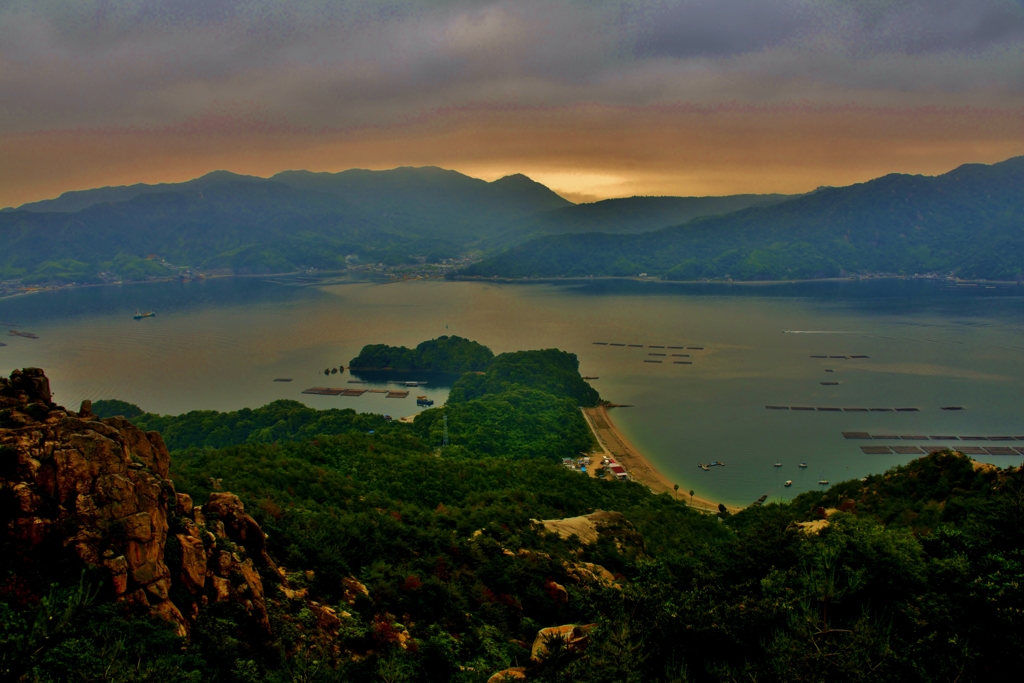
{"x": 250, "y": 224}
{"x": 969, "y": 221}
{"x": 627, "y": 215}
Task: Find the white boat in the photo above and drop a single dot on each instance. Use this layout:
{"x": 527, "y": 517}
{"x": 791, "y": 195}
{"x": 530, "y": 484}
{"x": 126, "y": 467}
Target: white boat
{"x": 803, "y": 464}
{"x": 789, "y": 482}
{"x": 778, "y": 464}
{"x": 823, "y": 481}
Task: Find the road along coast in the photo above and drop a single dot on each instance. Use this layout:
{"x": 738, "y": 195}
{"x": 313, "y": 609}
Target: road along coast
{"x": 615, "y": 445}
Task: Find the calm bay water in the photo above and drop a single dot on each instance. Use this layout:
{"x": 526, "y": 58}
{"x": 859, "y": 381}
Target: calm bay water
{"x": 220, "y": 344}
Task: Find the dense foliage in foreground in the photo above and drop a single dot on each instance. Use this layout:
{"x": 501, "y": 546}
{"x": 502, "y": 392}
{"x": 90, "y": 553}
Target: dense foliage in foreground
{"x": 932, "y": 593}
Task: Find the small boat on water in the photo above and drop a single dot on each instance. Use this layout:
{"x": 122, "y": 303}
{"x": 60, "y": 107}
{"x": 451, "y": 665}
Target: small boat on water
{"x": 424, "y": 401}
{"x": 803, "y": 464}
{"x": 704, "y": 467}
{"x": 778, "y": 464}
{"x": 789, "y": 482}
{"x": 823, "y": 481}
{"x": 139, "y": 315}
{"x": 412, "y": 384}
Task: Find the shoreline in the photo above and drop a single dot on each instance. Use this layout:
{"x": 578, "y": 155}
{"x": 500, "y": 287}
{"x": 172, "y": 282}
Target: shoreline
{"x": 547, "y": 279}
{"x": 328, "y": 275}
{"x": 612, "y": 441}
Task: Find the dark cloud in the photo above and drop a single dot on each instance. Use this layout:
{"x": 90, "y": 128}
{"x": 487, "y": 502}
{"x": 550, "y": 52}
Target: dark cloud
{"x": 329, "y": 62}
{"x": 716, "y": 28}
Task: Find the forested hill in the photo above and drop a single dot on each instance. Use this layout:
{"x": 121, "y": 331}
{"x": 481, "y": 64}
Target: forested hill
{"x": 969, "y": 221}
{"x": 250, "y": 224}
{"x": 629, "y": 215}
{"x": 444, "y": 354}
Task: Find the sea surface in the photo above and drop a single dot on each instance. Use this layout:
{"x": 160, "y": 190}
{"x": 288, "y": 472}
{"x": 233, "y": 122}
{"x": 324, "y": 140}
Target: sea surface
{"x": 220, "y": 344}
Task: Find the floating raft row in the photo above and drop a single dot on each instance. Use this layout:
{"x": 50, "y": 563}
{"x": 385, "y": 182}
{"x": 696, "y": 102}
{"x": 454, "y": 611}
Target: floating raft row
{"x": 657, "y": 354}
{"x": 337, "y": 391}
{"x": 918, "y": 450}
{"x": 829, "y": 384}
{"x": 397, "y": 394}
{"x": 662, "y": 346}
{"x": 682, "y": 362}
{"x": 828, "y": 409}
{"x": 653, "y": 361}
{"x": 841, "y": 357}
{"x": 922, "y": 437}
{"x": 680, "y": 355}
{"x": 283, "y": 379}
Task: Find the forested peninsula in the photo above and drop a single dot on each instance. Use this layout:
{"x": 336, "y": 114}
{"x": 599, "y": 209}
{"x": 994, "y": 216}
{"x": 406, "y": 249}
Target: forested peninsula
{"x": 288, "y": 544}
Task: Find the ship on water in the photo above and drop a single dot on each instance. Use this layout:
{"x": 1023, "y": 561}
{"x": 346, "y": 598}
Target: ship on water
{"x": 139, "y": 316}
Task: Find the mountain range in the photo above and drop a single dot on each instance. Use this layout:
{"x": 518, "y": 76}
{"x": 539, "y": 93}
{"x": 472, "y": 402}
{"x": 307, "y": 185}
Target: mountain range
{"x": 967, "y": 222}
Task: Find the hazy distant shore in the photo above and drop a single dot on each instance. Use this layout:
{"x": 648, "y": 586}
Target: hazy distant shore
{"x": 588, "y": 278}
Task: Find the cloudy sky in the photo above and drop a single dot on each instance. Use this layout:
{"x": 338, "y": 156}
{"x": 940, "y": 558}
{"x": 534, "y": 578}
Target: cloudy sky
{"x": 595, "y": 98}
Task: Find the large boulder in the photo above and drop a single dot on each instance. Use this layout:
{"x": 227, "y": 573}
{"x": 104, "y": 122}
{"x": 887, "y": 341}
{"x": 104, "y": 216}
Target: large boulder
{"x": 87, "y": 489}
{"x": 80, "y": 489}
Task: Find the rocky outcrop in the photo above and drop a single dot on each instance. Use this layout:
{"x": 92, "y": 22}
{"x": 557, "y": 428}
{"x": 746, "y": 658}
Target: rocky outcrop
{"x": 97, "y": 491}
{"x": 210, "y": 562}
{"x": 600, "y": 524}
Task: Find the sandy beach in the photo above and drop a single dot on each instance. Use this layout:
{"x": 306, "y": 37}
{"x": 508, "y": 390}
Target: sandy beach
{"x": 615, "y": 445}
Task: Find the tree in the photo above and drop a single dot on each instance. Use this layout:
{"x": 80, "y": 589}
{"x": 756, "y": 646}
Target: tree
{"x": 691, "y": 497}
{"x": 675, "y": 487}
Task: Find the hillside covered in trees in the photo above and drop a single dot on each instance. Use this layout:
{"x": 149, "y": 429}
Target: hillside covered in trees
{"x": 969, "y": 222}
{"x": 444, "y": 354}
{"x": 382, "y": 556}
{"x": 258, "y": 225}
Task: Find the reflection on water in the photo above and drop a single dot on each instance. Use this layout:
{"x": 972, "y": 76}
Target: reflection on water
{"x": 220, "y": 344}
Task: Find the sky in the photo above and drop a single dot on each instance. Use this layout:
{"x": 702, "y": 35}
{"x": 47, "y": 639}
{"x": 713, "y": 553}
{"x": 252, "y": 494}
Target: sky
{"x": 594, "y": 98}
